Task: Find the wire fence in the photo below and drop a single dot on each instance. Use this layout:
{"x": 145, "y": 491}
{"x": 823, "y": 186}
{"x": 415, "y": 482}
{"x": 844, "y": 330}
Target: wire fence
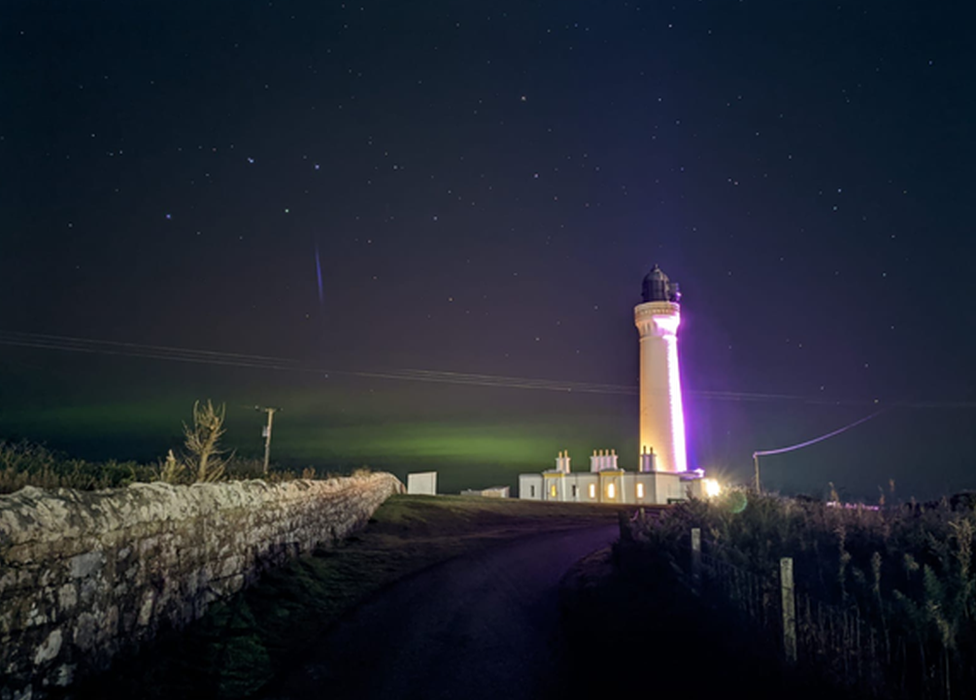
{"x": 751, "y": 596}
{"x": 841, "y": 644}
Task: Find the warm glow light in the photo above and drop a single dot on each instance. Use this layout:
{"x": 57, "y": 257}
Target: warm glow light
{"x": 712, "y": 487}
{"x": 640, "y": 490}
{"x": 592, "y": 490}
{"x": 668, "y": 323}
{"x": 552, "y": 490}
{"x": 611, "y": 490}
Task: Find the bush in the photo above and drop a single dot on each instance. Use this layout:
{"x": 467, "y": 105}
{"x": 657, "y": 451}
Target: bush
{"x": 28, "y": 464}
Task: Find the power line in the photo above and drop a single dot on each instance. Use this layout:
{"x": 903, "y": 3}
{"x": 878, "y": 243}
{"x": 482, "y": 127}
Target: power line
{"x": 782, "y": 450}
{"x": 229, "y": 359}
{"x": 109, "y": 347}
{"x": 815, "y": 440}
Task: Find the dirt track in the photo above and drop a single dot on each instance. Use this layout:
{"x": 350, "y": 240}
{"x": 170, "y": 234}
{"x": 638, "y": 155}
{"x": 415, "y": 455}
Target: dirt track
{"x": 480, "y": 626}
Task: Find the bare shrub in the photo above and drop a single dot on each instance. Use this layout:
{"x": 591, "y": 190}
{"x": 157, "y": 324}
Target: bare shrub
{"x": 202, "y": 442}
{"x": 172, "y": 470}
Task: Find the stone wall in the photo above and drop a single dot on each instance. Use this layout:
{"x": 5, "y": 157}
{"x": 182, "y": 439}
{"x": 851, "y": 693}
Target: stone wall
{"x": 84, "y": 575}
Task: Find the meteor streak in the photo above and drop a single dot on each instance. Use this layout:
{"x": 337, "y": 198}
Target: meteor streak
{"x": 318, "y": 274}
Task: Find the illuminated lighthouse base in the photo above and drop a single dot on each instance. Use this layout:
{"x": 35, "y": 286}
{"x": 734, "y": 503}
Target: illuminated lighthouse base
{"x": 607, "y": 483}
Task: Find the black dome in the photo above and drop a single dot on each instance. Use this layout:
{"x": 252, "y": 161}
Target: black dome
{"x": 658, "y": 287}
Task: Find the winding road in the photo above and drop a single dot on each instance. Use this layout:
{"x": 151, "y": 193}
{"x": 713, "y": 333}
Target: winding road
{"x": 479, "y": 626}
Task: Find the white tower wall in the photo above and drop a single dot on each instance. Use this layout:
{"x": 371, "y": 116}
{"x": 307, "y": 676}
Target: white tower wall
{"x": 662, "y": 424}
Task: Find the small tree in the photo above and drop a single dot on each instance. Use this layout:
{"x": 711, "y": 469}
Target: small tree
{"x": 201, "y": 440}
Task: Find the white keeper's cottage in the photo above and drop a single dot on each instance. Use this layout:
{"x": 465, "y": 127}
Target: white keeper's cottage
{"x": 607, "y": 483}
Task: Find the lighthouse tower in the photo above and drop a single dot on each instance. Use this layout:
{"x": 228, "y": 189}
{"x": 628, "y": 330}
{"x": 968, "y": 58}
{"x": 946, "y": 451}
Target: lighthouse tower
{"x": 662, "y": 422}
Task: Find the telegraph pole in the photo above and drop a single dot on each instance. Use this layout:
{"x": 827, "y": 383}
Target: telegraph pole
{"x": 266, "y": 432}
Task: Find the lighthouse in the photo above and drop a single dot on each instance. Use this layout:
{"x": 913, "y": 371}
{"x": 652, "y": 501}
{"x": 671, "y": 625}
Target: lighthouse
{"x": 662, "y": 422}
{"x": 663, "y": 475}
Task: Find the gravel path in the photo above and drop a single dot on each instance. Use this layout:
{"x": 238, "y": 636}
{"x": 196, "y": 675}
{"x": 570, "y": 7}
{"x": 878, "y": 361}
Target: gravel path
{"x": 480, "y": 626}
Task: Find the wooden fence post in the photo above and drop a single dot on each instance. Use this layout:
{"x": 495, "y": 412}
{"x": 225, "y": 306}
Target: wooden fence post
{"x": 696, "y": 559}
{"x": 789, "y": 608}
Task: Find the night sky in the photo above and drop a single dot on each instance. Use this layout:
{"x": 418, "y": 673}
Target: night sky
{"x": 361, "y": 189}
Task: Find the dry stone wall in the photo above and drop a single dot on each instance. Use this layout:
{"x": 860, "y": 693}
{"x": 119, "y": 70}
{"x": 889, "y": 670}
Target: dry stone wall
{"x": 84, "y": 575}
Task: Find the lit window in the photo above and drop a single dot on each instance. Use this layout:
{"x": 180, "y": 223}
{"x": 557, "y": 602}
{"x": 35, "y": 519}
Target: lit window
{"x": 552, "y": 490}
{"x": 592, "y": 490}
{"x": 611, "y": 490}
{"x": 640, "y": 490}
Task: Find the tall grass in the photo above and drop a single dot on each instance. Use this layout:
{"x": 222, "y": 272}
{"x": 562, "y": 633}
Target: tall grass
{"x": 905, "y": 570}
